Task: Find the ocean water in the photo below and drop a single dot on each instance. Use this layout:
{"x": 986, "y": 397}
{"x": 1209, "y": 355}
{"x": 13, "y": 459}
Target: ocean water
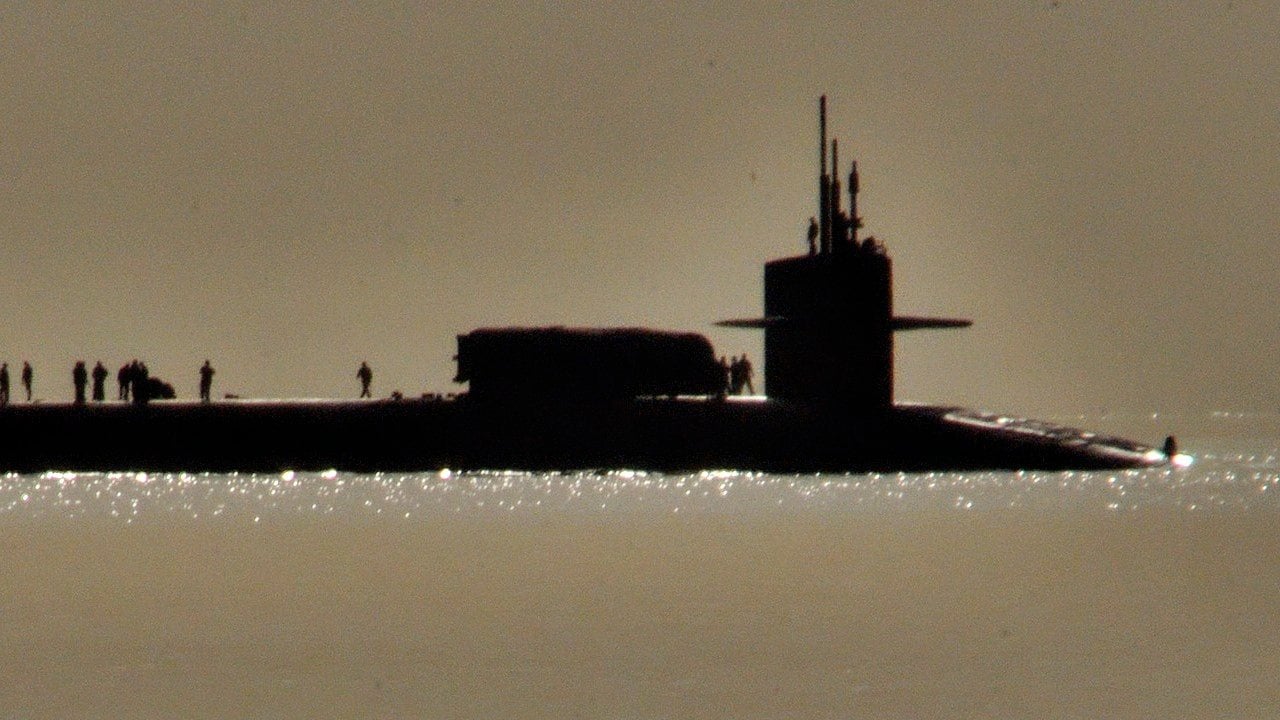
{"x": 622, "y": 594}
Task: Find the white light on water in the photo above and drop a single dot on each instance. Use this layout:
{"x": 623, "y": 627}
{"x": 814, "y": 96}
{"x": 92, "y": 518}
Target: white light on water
{"x": 1214, "y": 483}
{"x": 1237, "y": 474}
{"x": 628, "y": 593}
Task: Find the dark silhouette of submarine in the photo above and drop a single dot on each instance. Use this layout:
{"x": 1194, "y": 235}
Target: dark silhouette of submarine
{"x": 597, "y": 398}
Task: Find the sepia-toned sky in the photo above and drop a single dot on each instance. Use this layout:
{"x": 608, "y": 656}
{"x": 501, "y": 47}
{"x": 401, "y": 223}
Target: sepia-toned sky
{"x": 290, "y": 188}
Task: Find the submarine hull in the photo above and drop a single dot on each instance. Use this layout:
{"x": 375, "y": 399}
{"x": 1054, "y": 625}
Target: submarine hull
{"x": 664, "y": 434}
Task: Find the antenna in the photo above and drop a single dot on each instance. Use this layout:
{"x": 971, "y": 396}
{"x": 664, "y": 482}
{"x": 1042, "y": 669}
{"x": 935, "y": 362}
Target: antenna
{"x": 855, "y": 222}
{"x": 838, "y": 236}
{"x": 824, "y": 181}
{"x": 822, "y": 134}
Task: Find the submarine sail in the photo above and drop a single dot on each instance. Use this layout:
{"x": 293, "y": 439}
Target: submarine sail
{"x": 828, "y": 316}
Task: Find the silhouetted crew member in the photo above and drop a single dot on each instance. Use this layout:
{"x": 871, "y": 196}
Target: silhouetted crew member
{"x": 813, "y": 236}
{"x": 366, "y": 378}
{"x": 124, "y": 378}
{"x": 99, "y": 382}
{"x": 80, "y": 378}
{"x": 27, "y": 376}
{"x": 725, "y": 377}
{"x": 735, "y": 376}
{"x": 206, "y": 380}
{"x": 139, "y": 378}
{"x": 747, "y": 373}
{"x": 4, "y": 383}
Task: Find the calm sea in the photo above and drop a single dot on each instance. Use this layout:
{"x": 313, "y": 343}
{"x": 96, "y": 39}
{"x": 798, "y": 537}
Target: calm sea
{"x": 640, "y": 595}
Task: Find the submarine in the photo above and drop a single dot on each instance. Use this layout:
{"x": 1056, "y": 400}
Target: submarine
{"x": 566, "y": 399}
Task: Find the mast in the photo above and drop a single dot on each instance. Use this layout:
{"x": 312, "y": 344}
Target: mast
{"x": 838, "y": 235}
{"x": 824, "y": 182}
{"x": 855, "y": 222}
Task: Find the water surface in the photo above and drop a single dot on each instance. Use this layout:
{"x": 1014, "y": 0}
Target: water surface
{"x": 635, "y": 595}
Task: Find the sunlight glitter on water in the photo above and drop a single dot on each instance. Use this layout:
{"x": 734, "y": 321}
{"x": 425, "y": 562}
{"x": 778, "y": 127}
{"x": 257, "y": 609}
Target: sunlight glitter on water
{"x": 452, "y": 593}
{"x": 1233, "y": 482}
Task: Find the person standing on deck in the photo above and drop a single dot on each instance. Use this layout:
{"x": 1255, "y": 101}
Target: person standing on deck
{"x": 140, "y": 382}
{"x": 27, "y": 377}
{"x": 99, "y": 382}
{"x": 735, "y": 376}
{"x": 206, "y": 381}
{"x": 366, "y": 378}
{"x": 4, "y": 383}
{"x": 124, "y": 378}
{"x": 79, "y": 378}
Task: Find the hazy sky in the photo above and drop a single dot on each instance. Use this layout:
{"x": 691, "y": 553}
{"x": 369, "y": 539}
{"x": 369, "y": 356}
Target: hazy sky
{"x": 289, "y": 188}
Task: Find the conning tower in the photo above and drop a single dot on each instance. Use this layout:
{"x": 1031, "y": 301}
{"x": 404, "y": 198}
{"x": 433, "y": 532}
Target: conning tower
{"x": 828, "y": 315}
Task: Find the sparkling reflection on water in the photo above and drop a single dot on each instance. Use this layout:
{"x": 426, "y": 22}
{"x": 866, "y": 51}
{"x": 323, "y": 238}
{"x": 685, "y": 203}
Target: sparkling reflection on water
{"x": 632, "y": 594}
{"x": 1241, "y": 481}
